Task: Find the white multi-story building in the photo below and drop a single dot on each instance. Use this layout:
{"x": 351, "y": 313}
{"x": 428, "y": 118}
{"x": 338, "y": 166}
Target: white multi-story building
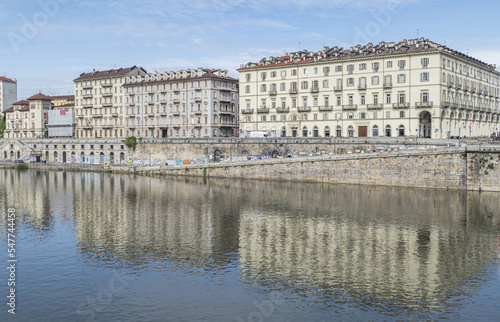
{"x": 414, "y": 87}
{"x": 28, "y": 118}
{"x": 8, "y": 92}
{"x": 99, "y": 103}
{"x": 186, "y": 103}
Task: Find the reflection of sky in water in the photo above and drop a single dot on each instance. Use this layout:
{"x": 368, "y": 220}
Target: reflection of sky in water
{"x": 195, "y": 248}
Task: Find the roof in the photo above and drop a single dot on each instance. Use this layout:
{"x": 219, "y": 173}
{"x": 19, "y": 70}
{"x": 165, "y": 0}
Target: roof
{"x": 381, "y": 50}
{"x": 207, "y": 73}
{"x": 25, "y": 108}
{"x": 10, "y": 109}
{"x": 5, "y": 79}
{"x": 63, "y": 97}
{"x": 23, "y": 102}
{"x": 39, "y": 96}
{"x": 107, "y": 73}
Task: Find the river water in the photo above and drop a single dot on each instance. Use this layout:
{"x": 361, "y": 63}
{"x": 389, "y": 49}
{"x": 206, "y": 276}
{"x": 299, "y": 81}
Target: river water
{"x": 108, "y": 247}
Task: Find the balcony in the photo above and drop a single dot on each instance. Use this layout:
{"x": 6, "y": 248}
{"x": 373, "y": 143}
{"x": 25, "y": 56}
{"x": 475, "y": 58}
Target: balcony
{"x": 263, "y": 110}
{"x": 225, "y": 99}
{"x": 107, "y": 94}
{"x": 176, "y": 113}
{"x": 314, "y": 89}
{"x": 459, "y": 86}
{"x": 97, "y": 115}
{"x": 107, "y": 104}
{"x": 197, "y": 98}
{"x": 80, "y": 116}
{"x": 374, "y": 106}
{"x": 387, "y": 84}
{"x": 423, "y": 104}
{"x": 454, "y": 106}
{"x": 273, "y": 92}
{"x": 114, "y": 114}
{"x": 87, "y": 127}
{"x": 466, "y": 87}
{"x": 224, "y": 112}
{"x": 247, "y": 111}
{"x": 473, "y": 89}
{"x": 293, "y": 91}
{"x": 350, "y": 107}
{"x": 197, "y": 125}
{"x": 87, "y": 105}
{"x": 445, "y": 104}
{"x": 362, "y": 87}
{"x": 131, "y": 116}
{"x": 400, "y": 105}
{"x": 283, "y": 109}
{"x": 328, "y": 108}
{"x": 462, "y": 106}
{"x": 87, "y": 95}
{"x": 176, "y": 100}
{"x": 176, "y": 126}
{"x": 87, "y": 86}
{"x": 450, "y": 83}
{"x": 197, "y": 112}
{"x": 304, "y": 109}
{"x": 107, "y": 84}
{"x": 337, "y": 88}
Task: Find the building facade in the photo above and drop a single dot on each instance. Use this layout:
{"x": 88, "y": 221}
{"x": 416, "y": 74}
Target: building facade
{"x": 415, "y": 87}
{"x": 99, "y": 103}
{"x": 28, "y": 118}
{"x": 187, "y": 103}
{"x": 8, "y": 92}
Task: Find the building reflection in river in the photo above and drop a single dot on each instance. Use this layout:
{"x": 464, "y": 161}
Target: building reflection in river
{"x": 384, "y": 246}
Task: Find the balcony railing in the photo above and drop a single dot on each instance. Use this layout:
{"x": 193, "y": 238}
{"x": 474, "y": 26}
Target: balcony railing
{"x": 454, "y": 106}
{"x": 445, "y": 104}
{"x": 272, "y": 92}
{"x": 350, "y": 107}
{"x": 107, "y": 94}
{"x": 107, "y": 84}
{"x": 97, "y": 115}
{"x": 362, "y": 86}
{"x": 314, "y": 89}
{"x": 387, "y": 84}
{"x": 293, "y": 91}
{"x": 197, "y": 98}
{"x": 400, "y": 105}
{"x": 338, "y": 88}
{"x": 450, "y": 83}
{"x": 283, "y": 109}
{"x": 263, "y": 110}
{"x": 247, "y": 111}
{"x": 304, "y": 109}
{"x": 374, "y": 106}
{"x": 328, "y": 108}
{"x": 424, "y": 104}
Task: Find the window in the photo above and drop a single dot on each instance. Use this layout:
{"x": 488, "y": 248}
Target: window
{"x": 338, "y": 68}
{"x": 326, "y": 70}
{"x": 247, "y": 89}
{"x": 351, "y": 100}
{"x": 375, "y": 115}
{"x": 304, "y": 74}
{"x": 401, "y": 98}
{"x": 304, "y": 102}
{"x": 375, "y": 66}
{"x": 282, "y": 86}
{"x": 350, "y": 115}
{"x": 401, "y": 78}
{"x": 263, "y": 103}
{"x": 263, "y": 75}
{"x": 304, "y": 85}
{"x": 326, "y": 101}
{"x": 401, "y": 113}
{"x": 350, "y": 81}
{"x": 350, "y": 68}
{"x": 375, "y": 80}
{"x": 338, "y": 116}
{"x": 388, "y": 114}
{"x": 388, "y": 98}
{"x": 425, "y": 62}
{"x": 294, "y": 102}
{"x": 362, "y": 66}
{"x": 339, "y": 100}
{"x": 294, "y": 72}
{"x": 389, "y": 64}
{"x": 263, "y": 87}
{"x": 401, "y": 64}
{"x": 273, "y": 74}
{"x": 315, "y": 70}
{"x": 363, "y": 100}
{"x": 424, "y": 97}
{"x": 375, "y": 99}
{"x": 263, "y": 118}
{"x": 325, "y": 83}
{"x": 283, "y": 102}
{"x": 363, "y": 115}
{"x": 424, "y": 77}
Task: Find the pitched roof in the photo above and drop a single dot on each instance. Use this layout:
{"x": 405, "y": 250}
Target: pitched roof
{"x": 107, "y": 73}
{"x": 10, "y": 109}
{"x": 5, "y": 79}
{"x": 23, "y": 102}
{"x": 25, "y": 108}
{"x": 39, "y": 96}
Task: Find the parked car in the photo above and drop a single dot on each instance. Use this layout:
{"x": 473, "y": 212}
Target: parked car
{"x": 19, "y": 161}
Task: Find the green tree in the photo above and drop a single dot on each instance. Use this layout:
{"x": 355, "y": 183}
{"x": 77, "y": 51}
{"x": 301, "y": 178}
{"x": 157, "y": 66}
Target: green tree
{"x": 131, "y": 142}
{"x": 2, "y": 126}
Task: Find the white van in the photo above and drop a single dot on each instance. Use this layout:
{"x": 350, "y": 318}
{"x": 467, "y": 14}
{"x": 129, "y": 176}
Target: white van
{"x": 258, "y": 134}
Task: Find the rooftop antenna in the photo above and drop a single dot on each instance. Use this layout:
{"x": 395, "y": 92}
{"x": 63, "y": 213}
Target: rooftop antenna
{"x": 417, "y": 33}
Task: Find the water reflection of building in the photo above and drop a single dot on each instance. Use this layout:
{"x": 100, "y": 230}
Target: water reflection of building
{"x": 138, "y": 217}
{"x": 382, "y": 245}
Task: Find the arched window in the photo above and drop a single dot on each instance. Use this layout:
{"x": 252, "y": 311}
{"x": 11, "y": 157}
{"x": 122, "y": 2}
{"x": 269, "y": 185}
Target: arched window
{"x": 375, "y": 131}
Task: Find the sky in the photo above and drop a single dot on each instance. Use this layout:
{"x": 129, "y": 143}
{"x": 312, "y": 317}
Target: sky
{"x": 46, "y": 44}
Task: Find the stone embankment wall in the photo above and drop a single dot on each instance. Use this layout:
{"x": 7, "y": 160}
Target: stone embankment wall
{"x": 457, "y": 170}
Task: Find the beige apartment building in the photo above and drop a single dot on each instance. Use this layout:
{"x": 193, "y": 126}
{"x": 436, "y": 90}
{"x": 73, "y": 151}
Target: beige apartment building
{"x": 28, "y": 118}
{"x": 99, "y": 102}
{"x": 415, "y": 87}
{"x": 186, "y": 103}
